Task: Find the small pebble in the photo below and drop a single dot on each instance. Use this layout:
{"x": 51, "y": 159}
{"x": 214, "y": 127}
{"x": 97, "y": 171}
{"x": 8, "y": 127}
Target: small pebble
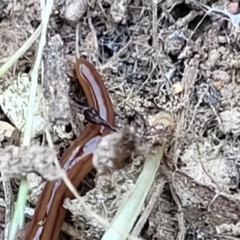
{"x": 217, "y": 85}
{"x": 177, "y": 88}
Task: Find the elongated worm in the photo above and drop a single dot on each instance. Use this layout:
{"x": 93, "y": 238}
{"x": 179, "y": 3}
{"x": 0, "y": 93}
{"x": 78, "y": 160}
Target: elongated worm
{"x": 76, "y": 161}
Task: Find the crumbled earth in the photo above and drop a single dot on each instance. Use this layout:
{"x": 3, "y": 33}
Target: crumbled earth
{"x": 176, "y": 55}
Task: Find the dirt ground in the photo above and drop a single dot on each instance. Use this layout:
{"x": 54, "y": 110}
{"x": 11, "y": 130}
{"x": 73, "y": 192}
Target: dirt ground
{"x": 175, "y": 55}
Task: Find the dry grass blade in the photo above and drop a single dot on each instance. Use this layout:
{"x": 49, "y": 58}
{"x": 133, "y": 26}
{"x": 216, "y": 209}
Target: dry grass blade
{"x": 18, "y": 217}
{"x": 129, "y": 211}
{"x": 147, "y": 211}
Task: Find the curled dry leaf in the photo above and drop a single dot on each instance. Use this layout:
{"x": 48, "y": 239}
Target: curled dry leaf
{"x": 18, "y": 161}
{"x": 114, "y": 150}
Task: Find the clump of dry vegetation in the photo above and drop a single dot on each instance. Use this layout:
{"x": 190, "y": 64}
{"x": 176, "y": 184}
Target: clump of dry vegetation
{"x": 180, "y": 56}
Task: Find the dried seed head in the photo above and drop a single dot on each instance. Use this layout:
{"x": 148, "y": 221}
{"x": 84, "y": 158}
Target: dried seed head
{"x": 18, "y": 161}
{"x": 114, "y": 150}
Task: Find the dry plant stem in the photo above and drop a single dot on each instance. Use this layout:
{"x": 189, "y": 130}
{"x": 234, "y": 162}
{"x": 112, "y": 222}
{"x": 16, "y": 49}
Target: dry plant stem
{"x": 182, "y": 229}
{"x": 34, "y": 76}
{"x": 18, "y": 217}
{"x": 130, "y": 210}
{"x": 21, "y": 51}
{"x": 8, "y": 195}
{"x": 154, "y": 23}
{"x": 77, "y": 40}
{"x": 94, "y": 34}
